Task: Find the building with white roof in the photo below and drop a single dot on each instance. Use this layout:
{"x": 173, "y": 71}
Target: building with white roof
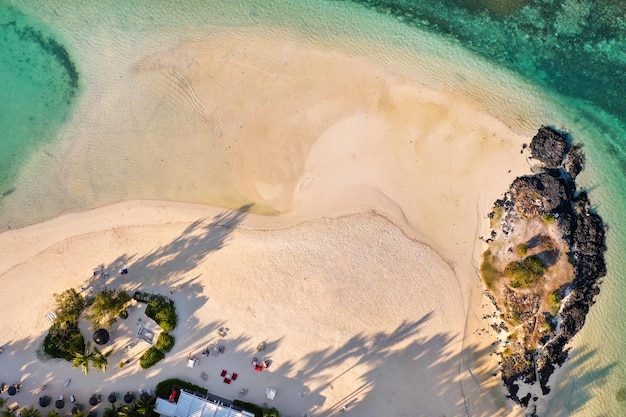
{"x": 190, "y": 405}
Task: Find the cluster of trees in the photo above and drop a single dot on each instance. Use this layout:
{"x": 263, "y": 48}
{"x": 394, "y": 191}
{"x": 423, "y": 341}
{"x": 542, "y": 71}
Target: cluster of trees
{"x": 65, "y": 341}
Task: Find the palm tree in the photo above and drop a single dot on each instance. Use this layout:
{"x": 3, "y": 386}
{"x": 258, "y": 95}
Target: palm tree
{"x": 99, "y": 360}
{"x": 9, "y": 412}
{"x": 145, "y": 405}
{"x": 53, "y": 413}
{"x": 127, "y": 410}
{"x": 82, "y": 359}
{"x": 110, "y": 411}
{"x": 80, "y": 413}
{"x": 106, "y": 306}
{"x": 3, "y": 401}
{"x": 30, "y": 412}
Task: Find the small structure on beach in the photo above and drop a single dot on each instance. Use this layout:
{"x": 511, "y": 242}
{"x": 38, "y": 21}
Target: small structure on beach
{"x": 145, "y": 334}
{"x": 189, "y": 404}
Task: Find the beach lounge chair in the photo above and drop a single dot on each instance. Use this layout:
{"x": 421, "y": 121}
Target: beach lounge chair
{"x": 223, "y": 374}
{"x": 270, "y": 393}
{"x": 234, "y": 377}
{"x": 51, "y": 316}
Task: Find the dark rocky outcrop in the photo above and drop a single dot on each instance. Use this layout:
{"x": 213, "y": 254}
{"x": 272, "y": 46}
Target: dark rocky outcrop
{"x": 549, "y": 147}
{"x": 552, "y": 192}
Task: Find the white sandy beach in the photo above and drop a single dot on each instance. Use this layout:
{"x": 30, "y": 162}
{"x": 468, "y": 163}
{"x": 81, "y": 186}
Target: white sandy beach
{"x": 363, "y": 280}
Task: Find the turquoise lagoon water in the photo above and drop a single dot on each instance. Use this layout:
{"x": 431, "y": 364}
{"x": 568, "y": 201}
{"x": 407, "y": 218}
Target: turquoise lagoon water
{"x": 38, "y": 85}
{"x": 572, "y": 51}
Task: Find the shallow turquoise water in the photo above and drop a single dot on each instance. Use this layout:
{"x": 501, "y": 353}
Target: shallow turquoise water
{"x": 574, "y": 50}
{"x": 38, "y": 84}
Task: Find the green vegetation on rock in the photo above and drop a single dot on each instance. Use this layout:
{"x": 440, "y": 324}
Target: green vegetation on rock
{"x": 488, "y": 270}
{"x": 526, "y": 272}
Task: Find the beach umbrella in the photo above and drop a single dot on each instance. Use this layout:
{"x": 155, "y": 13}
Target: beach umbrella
{"x": 59, "y": 404}
{"x": 12, "y": 390}
{"x": 112, "y": 397}
{"x": 93, "y": 400}
{"x": 101, "y": 336}
{"x": 144, "y": 396}
{"x": 129, "y": 397}
{"x": 75, "y": 409}
{"x": 44, "y": 401}
{"x": 92, "y": 413}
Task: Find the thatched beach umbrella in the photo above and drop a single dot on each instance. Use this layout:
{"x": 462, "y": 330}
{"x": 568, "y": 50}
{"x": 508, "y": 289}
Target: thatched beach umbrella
{"x": 112, "y": 398}
{"x": 59, "y": 403}
{"x": 129, "y": 397}
{"x": 92, "y": 413}
{"x": 93, "y": 400}
{"x": 75, "y": 409}
{"x": 144, "y": 396}
{"x": 12, "y": 390}
{"x": 101, "y": 336}
{"x": 44, "y": 401}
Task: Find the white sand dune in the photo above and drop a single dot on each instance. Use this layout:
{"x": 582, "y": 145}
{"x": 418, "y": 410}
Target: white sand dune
{"x": 363, "y": 281}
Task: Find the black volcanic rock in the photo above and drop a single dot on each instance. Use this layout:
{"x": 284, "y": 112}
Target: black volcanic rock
{"x": 541, "y": 193}
{"x": 553, "y": 190}
{"x": 549, "y": 147}
{"x": 574, "y": 161}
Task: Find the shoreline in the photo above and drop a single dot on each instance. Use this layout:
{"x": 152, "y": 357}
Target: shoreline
{"x": 99, "y": 229}
{"x": 384, "y": 171}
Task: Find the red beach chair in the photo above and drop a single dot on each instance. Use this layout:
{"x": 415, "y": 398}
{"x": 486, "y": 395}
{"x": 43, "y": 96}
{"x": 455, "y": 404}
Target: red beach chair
{"x": 234, "y": 378}
{"x": 223, "y": 374}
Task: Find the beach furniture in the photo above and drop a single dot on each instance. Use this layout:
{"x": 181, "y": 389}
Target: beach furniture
{"x": 51, "y": 316}
{"x": 67, "y": 383}
{"x": 270, "y": 393}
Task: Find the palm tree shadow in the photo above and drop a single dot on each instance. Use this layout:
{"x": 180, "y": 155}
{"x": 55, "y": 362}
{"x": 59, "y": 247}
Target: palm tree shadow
{"x": 571, "y": 394}
{"x": 167, "y": 264}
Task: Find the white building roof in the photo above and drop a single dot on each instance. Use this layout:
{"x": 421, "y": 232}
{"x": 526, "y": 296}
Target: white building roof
{"x": 189, "y": 405}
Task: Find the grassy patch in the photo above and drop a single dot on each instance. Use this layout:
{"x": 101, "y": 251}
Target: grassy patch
{"x": 526, "y": 272}
{"x": 522, "y": 249}
{"x": 488, "y": 270}
{"x": 548, "y": 218}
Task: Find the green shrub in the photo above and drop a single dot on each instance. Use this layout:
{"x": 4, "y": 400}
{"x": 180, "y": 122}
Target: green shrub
{"x": 165, "y": 342}
{"x": 164, "y": 388}
{"x": 63, "y": 341}
{"x": 555, "y": 302}
{"x": 159, "y": 308}
{"x": 526, "y": 272}
{"x": 257, "y": 409}
{"x": 522, "y": 249}
{"x": 150, "y": 357}
{"x": 548, "y": 217}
